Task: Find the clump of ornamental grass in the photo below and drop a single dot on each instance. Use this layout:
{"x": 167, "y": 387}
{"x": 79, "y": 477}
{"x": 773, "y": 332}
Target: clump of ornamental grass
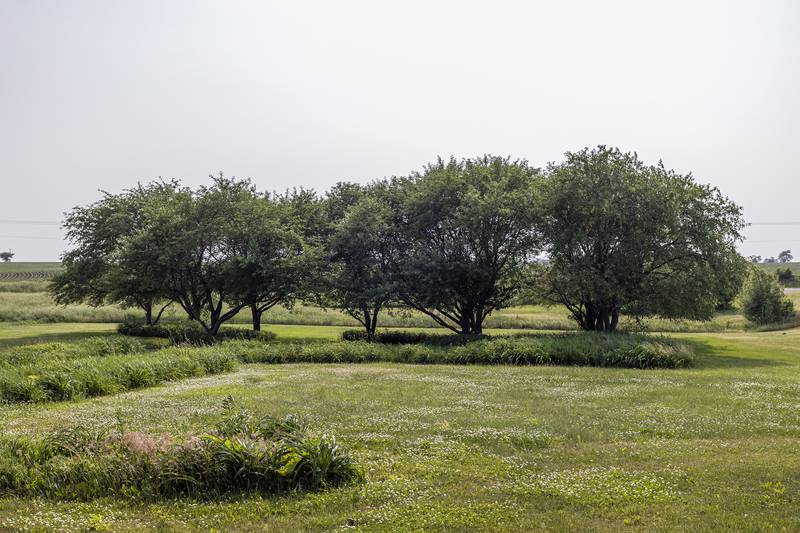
{"x": 242, "y": 454}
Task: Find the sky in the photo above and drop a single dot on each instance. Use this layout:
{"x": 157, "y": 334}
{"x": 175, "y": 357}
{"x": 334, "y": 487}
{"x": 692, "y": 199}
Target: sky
{"x": 103, "y": 94}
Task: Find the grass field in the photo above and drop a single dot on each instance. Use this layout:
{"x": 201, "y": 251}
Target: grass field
{"x": 465, "y": 448}
{"x": 480, "y": 448}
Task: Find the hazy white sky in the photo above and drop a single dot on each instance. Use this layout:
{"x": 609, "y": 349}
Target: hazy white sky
{"x": 101, "y": 94}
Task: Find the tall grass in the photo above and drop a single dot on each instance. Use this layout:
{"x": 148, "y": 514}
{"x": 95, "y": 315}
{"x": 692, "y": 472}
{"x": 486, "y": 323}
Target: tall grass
{"x": 50, "y": 352}
{"x": 63, "y": 377}
{"x": 241, "y": 455}
{"x": 24, "y": 286}
{"x": 583, "y": 349}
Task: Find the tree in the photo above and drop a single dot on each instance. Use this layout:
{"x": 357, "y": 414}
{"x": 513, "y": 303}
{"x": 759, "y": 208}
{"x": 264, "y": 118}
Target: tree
{"x": 754, "y": 258}
{"x": 94, "y": 271}
{"x": 5, "y": 257}
{"x": 785, "y": 256}
{"x": 466, "y": 231}
{"x": 626, "y": 238}
{"x": 362, "y": 253}
{"x": 762, "y": 300}
{"x": 785, "y": 276}
{"x": 193, "y": 242}
{"x": 270, "y": 263}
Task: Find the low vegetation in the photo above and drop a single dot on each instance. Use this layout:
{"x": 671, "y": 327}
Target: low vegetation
{"x": 31, "y": 375}
{"x": 474, "y": 447}
{"x": 190, "y": 333}
{"x": 241, "y": 454}
{"x": 762, "y": 299}
{"x": 632, "y": 351}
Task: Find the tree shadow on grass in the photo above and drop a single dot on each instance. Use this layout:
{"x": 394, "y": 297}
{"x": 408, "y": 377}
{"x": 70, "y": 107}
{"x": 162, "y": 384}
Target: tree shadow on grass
{"x": 719, "y": 355}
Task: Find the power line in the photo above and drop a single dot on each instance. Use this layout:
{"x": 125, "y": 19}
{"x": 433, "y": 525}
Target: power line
{"x": 31, "y": 222}
{"x": 31, "y": 237}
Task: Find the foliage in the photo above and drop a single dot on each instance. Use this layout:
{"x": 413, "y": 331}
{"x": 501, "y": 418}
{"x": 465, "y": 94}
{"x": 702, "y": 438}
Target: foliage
{"x": 785, "y": 277}
{"x": 265, "y": 456}
{"x": 409, "y": 337}
{"x": 272, "y": 262}
{"x": 190, "y": 333}
{"x": 762, "y": 300}
{"x": 626, "y": 238}
{"x": 94, "y": 271}
{"x": 467, "y": 231}
{"x": 6, "y": 256}
{"x": 785, "y": 256}
{"x": 586, "y": 349}
{"x": 362, "y": 253}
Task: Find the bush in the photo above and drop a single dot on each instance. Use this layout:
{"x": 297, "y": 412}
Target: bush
{"x": 190, "y": 333}
{"x": 762, "y": 300}
{"x": 584, "y": 349}
{"x": 785, "y": 277}
{"x": 410, "y": 337}
{"x": 242, "y": 455}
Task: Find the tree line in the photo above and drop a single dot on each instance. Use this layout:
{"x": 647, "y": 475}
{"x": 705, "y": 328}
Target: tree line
{"x": 600, "y": 232}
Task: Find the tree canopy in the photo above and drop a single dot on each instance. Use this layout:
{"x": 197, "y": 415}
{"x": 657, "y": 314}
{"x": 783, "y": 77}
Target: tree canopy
{"x": 467, "y": 229}
{"x": 625, "y": 237}
{"x": 601, "y": 232}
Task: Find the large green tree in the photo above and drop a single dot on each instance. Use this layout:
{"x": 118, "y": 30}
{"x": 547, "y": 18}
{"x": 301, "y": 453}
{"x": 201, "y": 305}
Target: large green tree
{"x": 627, "y": 238}
{"x": 467, "y": 230}
{"x": 271, "y": 261}
{"x": 361, "y": 252}
{"x": 93, "y": 270}
{"x": 194, "y": 242}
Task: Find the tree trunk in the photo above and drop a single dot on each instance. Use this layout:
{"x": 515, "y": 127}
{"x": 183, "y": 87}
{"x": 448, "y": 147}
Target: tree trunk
{"x": 256, "y": 312}
{"x": 614, "y": 320}
{"x": 148, "y": 314}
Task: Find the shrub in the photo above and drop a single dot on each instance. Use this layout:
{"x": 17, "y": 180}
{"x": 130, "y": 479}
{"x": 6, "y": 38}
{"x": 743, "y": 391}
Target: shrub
{"x": 762, "y": 300}
{"x": 584, "y": 349}
{"x": 785, "y": 276}
{"x": 190, "y": 333}
{"x": 410, "y": 337}
{"x": 264, "y": 456}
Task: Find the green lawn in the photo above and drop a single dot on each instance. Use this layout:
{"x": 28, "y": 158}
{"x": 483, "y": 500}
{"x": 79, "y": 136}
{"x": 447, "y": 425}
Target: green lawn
{"x": 478, "y": 448}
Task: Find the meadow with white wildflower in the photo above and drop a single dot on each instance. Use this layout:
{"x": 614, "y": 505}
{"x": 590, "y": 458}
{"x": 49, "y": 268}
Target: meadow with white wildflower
{"x": 475, "y": 448}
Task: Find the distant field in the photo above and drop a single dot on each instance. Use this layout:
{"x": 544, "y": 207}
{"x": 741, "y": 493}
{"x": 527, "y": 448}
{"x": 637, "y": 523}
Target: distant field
{"x": 27, "y": 271}
{"x": 773, "y": 267}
